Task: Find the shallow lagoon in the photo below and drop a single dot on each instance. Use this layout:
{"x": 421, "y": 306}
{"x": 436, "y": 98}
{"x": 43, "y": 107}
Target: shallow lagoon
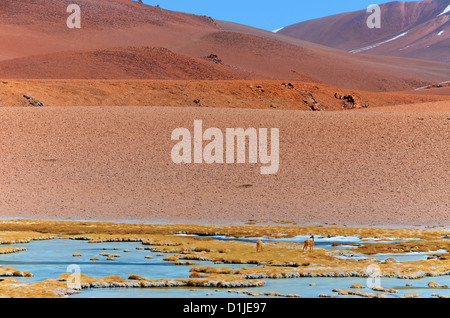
{"x": 320, "y": 241}
{"x": 300, "y": 286}
{"x": 49, "y": 259}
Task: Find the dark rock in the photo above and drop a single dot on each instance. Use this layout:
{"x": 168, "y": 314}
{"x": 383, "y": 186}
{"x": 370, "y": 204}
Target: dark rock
{"x": 351, "y": 101}
{"x": 311, "y": 102}
{"x": 214, "y": 58}
{"x": 288, "y": 85}
{"x": 33, "y": 102}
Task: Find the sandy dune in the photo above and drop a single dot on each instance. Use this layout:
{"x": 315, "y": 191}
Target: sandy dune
{"x": 354, "y": 168}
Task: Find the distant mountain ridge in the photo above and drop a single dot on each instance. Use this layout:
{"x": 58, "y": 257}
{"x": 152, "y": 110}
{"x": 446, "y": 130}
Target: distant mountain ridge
{"x": 419, "y": 29}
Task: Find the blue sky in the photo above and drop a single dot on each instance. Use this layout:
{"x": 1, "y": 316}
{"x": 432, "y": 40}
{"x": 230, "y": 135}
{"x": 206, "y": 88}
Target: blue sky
{"x": 265, "y": 14}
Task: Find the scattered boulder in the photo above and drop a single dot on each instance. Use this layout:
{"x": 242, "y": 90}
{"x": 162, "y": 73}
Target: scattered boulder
{"x": 258, "y": 89}
{"x": 33, "y": 102}
{"x": 311, "y": 102}
{"x": 288, "y": 85}
{"x": 214, "y": 58}
{"x": 351, "y": 101}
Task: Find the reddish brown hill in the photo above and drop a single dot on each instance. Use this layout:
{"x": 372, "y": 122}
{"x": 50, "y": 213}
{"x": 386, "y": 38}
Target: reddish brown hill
{"x": 32, "y": 28}
{"x": 96, "y": 14}
{"x": 419, "y": 29}
{"x": 276, "y": 59}
{"x": 117, "y": 63}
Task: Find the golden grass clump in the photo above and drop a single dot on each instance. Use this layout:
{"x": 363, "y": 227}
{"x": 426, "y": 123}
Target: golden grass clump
{"x": 11, "y": 272}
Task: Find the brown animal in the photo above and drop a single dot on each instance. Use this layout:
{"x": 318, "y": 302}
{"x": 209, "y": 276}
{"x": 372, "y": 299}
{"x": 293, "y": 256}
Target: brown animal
{"x": 309, "y": 244}
{"x": 259, "y": 246}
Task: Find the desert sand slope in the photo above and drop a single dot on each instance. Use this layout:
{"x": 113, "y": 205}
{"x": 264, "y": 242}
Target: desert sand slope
{"x": 353, "y": 168}
{"x": 417, "y": 29}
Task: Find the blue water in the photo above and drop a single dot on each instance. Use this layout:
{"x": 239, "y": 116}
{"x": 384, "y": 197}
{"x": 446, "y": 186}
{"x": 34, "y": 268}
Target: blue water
{"x": 300, "y": 286}
{"x": 400, "y": 257}
{"x": 49, "y": 259}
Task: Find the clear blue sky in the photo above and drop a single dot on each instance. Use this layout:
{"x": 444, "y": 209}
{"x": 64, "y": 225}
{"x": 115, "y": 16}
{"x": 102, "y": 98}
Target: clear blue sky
{"x": 265, "y": 14}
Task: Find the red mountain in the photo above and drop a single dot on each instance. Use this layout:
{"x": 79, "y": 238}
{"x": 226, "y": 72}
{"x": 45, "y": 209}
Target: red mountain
{"x": 118, "y": 39}
{"x": 419, "y": 29}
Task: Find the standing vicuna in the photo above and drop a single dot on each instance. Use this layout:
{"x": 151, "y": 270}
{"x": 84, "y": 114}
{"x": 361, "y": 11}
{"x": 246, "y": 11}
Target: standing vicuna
{"x": 259, "y": 246}
{"x": 309, "y": 244}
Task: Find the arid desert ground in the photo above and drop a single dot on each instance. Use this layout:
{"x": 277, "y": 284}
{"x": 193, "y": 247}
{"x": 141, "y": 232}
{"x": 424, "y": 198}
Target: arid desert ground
{"x": 379, "y": 167}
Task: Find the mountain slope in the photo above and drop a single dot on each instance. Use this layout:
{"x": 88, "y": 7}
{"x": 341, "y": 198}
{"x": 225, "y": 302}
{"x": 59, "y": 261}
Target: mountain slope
{"x": 30, "y": 27}
{"x": 34, "y": 34}
{"x": 419, "y": 29}
{"x": 118, "y": 63}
